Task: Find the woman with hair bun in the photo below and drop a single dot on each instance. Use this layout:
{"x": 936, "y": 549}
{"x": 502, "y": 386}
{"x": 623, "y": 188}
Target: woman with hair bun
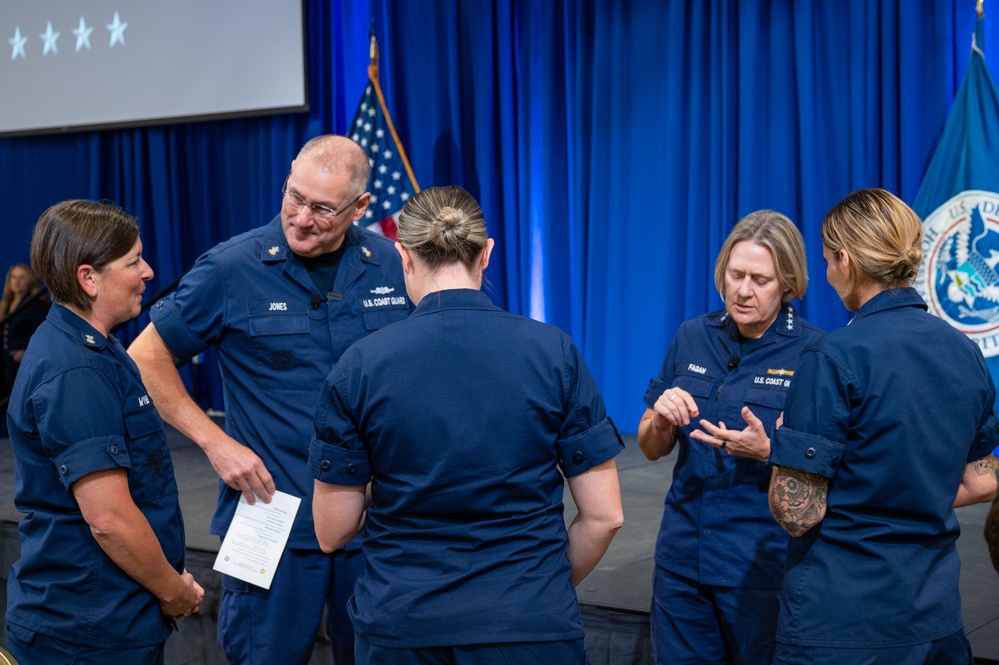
{"x": 465, "y": 419}
{"x": 888, "y": 427}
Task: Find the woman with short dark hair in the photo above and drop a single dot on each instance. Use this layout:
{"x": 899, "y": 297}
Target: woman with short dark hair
{"x": 101, "y": 576}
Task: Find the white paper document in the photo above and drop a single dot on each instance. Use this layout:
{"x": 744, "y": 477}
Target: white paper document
{"x": 256, "y": 538}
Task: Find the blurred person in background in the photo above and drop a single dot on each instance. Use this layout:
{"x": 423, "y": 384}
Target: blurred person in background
{"x": 22, "y": 310}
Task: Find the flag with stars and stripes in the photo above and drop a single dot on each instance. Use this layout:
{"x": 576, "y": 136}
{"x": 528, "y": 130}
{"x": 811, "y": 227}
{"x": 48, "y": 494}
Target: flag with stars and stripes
{"x": 392, "y": 182}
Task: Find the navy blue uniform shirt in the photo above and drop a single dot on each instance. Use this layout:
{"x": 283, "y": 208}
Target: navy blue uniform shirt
{"x": 890, "y": 409}
{"x": 465, "y": 419}
{"x": 716, "y": 527}
{"x": 79, "y": 407}
{"x": 276, "y": 339}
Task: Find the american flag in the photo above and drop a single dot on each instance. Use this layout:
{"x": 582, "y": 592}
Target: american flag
{"x": 392, "y": 181}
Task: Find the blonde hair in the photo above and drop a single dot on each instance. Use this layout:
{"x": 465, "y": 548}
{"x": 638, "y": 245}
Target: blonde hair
{"x": 778, "y": 234}
{"x": 34, "y": 286}
{"x": 882, "y": 235}
{"x": 443, "y": 225}
{"x": 334, "y": 153}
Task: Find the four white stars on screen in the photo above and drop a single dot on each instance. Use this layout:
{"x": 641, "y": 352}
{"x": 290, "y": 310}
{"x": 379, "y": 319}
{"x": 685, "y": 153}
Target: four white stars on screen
{"x": 82, "y": 33}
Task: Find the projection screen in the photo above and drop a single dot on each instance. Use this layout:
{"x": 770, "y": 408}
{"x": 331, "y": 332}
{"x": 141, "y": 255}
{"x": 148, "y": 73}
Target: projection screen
{"x": 67, "y": 65}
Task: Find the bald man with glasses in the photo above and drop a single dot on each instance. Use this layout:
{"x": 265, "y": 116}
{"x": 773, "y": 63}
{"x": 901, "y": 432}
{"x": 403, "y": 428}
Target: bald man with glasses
{"x": 279, "y": 304}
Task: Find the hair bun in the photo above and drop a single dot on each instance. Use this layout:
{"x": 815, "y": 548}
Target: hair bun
{"x": 450, "y": 216}
{"x": 450, "y": 227}
{"x": 443, "y": 225}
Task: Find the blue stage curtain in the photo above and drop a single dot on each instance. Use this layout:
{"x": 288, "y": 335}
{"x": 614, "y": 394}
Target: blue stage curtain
{"x": 613, "y": 145}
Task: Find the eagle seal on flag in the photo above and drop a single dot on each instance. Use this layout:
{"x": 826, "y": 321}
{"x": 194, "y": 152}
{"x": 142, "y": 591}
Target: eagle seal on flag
{"x": 959, "y": 275}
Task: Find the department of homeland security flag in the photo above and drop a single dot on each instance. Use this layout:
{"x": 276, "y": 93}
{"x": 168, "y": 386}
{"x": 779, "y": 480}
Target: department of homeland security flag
{"x": 958, "y": 202}
{"x": 392, "y": 182}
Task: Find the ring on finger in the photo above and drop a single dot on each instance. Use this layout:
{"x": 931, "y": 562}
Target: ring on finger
{"x": 672, "y": 396}
{"x": 724, "y": 443}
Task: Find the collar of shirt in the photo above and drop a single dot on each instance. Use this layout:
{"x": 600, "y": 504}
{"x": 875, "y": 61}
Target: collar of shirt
{"x": 786, "y": 324}
{"x": 275, "y": 248}
{"x": 74, "y": 326}
{"x": 453, "y": 299}
{"x": 891, "y": 299}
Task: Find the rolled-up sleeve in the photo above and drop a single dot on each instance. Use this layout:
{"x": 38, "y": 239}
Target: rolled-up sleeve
{"x": 190, "y": 319}
{"x": 331, "y": 464}
{"x": 588, "y": 437}
{"x": 656, "y": 388}
{"x": 806, "y": 452}
{"x": 336, "y": 454}
{"x": 661, "y": 383}
{"x": 816, "y": 417}
{"x": 588, "y": 449}
{"x": 80, "y": 424}
{"x": 91, "y": 455}
{"x": 986, "y": 440}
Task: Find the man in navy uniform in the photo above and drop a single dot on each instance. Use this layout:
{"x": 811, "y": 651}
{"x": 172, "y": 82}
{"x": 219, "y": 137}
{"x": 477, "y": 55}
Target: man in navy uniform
{"x": 279, "y": 304}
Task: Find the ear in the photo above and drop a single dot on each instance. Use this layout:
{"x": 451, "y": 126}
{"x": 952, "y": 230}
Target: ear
{"x": 87, "y": 277}
{"x": 361, "y": 206}
{"x": 407, "y": 258}
{"x": 486, "y": 251}
{"x": 843, "y": 258}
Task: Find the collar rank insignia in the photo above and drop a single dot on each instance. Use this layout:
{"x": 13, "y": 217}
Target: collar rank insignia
{"x": 89, "y": 339}
{"x": 367, "y": 252}
{"x": 274, "y": 250}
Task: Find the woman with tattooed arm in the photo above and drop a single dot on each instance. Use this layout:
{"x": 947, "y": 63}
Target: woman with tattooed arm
{"x": 887, "y": 427}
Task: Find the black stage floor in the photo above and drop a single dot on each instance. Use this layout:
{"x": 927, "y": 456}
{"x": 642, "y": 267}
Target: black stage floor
{"x": 615, "y": 597}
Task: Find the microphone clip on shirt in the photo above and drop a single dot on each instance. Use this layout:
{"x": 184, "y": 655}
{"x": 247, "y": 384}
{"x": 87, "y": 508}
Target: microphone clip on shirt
{"x": 733, "y": 362}
{"x": 315, "y": 299}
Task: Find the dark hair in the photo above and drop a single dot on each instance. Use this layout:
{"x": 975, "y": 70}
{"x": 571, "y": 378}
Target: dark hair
{"x": 443, "y": 225}
{"x": 74, "y": 233}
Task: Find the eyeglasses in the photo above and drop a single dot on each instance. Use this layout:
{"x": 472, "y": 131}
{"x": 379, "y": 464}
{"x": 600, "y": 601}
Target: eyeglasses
{"x": 320, "y": 213}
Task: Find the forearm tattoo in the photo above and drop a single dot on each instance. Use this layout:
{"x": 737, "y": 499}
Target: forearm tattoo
{"x": 985, "y": 466}
{"x": 798, "y": 499}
